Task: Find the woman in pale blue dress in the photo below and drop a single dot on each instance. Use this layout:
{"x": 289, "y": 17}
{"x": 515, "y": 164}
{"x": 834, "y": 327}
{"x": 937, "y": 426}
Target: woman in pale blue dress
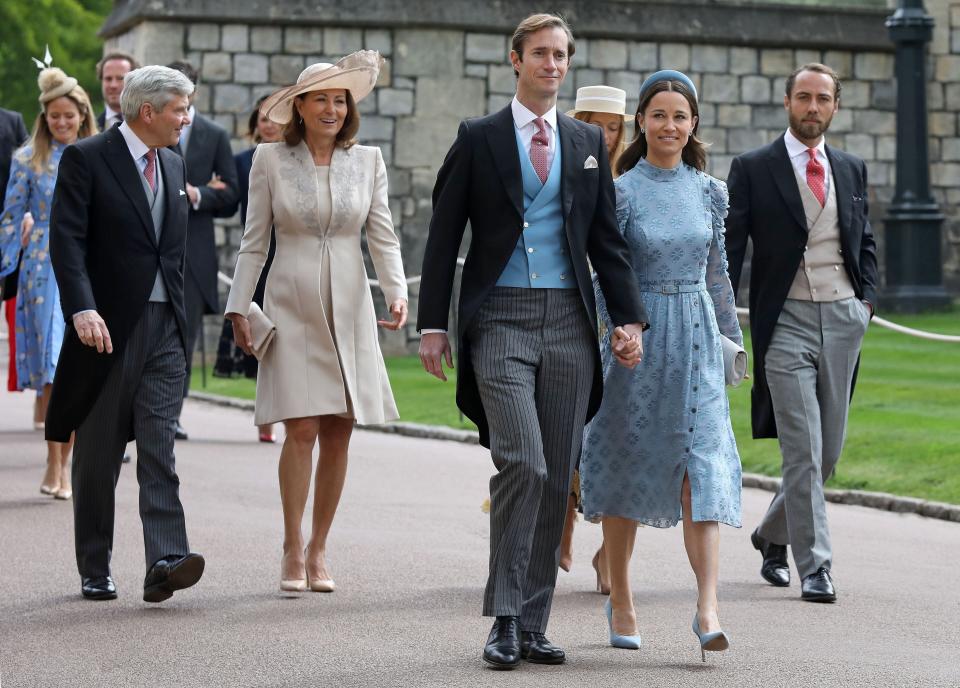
{"x": 661, "y": 448}
{"x": 65, "y": 116}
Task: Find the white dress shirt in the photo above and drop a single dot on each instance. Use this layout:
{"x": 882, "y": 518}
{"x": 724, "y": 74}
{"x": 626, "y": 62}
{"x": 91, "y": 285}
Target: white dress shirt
{"x": 523, "y": 121}
{"x": 526, "y": 128}
{"x": 110, "y": 117}
{"x": 797, "y": 150}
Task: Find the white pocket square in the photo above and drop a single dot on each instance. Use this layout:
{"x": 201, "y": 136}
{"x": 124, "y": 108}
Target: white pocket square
{"x": 182, "y": 192}
{"x": 590, "y": 163}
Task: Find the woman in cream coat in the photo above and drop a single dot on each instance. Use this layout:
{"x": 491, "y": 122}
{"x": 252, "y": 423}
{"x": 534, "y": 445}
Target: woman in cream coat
{"x": 323, "y": 371}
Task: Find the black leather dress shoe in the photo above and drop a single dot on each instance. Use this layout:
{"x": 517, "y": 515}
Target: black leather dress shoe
{"x": 774, "y": 569}
{"x": 818, "y": 587}
{"x": 535, "y": 648}
{"x": 502, "y": 650}
{"x": 98, "y": 588}
{"x": 171, "y": 574}
{"x": 180, "y": 434}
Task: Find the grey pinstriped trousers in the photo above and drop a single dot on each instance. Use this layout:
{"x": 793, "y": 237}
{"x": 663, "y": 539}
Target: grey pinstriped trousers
{"x": 533, "y": 355}
{"x": 144, "y": 389}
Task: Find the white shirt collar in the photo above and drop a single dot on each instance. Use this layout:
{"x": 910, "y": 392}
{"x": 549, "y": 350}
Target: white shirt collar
{"x": 109, "y": 113}
{"x": 137, "y": 147}
{"x": 796, "y": 147}
{"x": 522, "y": 116}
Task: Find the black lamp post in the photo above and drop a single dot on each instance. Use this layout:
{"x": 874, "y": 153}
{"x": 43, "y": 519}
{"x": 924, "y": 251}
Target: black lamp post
{"x": 913, "y": 221}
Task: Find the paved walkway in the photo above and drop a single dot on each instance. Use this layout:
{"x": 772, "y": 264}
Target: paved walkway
{"x": 408, "y": 551}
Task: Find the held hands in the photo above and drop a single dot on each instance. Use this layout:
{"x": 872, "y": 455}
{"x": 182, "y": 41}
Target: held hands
{"x": 627, "y": 344}
{"x": 398, "y": 313}
{"x": 241, "y": 332}
{"x": 434, "y": 348}
{"x": 92, "y": 331}
{"x": 216, "y": 182}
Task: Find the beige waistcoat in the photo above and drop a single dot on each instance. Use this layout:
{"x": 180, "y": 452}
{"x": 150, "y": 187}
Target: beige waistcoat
{"x": 821, "y": 276}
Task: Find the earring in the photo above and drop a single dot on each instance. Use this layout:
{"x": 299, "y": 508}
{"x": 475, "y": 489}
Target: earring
{"x": 642, "y": 130}
{"x": 301, "y": 120}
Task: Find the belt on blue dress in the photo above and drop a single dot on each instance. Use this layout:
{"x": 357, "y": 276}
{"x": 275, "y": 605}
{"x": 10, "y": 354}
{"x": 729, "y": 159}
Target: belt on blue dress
{"x": 672, "y": 287}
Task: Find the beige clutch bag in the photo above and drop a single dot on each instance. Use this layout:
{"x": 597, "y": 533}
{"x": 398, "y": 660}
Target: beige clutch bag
{"x": 734, "y": 361}
{"x": 262, "y": 331}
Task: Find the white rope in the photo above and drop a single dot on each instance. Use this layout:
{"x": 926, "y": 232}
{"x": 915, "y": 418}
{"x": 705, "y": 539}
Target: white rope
{"x": 919, "y": 334}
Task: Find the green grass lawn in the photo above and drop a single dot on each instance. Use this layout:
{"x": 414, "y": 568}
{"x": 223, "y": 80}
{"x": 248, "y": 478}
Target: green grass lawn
{"x": 904, "y": 430}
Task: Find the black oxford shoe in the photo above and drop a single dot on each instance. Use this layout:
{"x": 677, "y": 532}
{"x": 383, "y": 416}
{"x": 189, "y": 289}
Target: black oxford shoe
{"x": 98, "y": 588}
{"x": 171, "y": 574}
{"x": 180, "y": 433}
{"x": 818, "y": 587}
{"x": 502, "y": 650}
{"x": 774, "y": 568}
{"x": 535, "y": 648}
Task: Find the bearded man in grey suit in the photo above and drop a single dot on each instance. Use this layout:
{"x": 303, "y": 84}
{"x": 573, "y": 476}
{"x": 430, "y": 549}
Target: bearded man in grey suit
{"x": 117, "y": 230}
{"x": 813, "y": 287}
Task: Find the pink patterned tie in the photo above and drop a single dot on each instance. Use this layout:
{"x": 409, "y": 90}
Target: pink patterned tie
{"x": 150, "y": 172}
{"x": 816, "y": 178}
{"x": 539, "y": 145}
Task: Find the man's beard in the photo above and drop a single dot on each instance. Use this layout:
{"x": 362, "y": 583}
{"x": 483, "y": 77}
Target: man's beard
{"x": 810, "y": 130}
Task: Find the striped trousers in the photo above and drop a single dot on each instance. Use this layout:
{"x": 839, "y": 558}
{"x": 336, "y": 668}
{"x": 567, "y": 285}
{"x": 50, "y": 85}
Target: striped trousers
{"x": 144, "y": 391}
{"x": 533, "y": 353}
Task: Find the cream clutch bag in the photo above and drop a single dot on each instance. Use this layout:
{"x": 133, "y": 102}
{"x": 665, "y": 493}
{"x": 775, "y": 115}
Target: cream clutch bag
{"x": 262, "y": 330}
{"x": 734, "y": 361}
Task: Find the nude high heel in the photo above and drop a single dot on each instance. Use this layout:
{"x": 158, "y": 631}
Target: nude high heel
{"x": 603, "y": 587}
{"x": 321, "y": 584}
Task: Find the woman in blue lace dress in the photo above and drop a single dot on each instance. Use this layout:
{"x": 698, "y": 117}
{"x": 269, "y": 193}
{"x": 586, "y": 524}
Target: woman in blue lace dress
{"x": 661, "y": 448}
{"x": 66, "y": 116}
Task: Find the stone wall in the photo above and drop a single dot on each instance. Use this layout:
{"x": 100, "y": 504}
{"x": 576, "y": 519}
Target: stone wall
{"x": 448, "y": 60}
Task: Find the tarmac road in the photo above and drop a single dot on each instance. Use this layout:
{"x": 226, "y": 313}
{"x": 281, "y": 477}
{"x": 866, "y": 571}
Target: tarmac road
{"x": 408, "y": 551}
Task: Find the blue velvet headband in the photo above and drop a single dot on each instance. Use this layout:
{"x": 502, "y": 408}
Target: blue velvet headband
{"x": 668, "y": 75}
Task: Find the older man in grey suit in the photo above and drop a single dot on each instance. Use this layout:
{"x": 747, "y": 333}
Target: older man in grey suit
{"x": 118, "y": 225}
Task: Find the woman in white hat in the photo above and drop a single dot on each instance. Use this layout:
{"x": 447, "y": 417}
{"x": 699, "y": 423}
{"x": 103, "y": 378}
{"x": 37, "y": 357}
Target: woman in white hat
{"x": 606, "y": 107}
{"x": 323, "y": 370}
{"x": 65, "y": 117}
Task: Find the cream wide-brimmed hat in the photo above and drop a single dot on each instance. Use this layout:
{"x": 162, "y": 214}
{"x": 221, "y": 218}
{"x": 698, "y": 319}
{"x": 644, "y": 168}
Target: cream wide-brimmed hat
{"x": 607, "y": 99}
{"x": 357, "y": 73}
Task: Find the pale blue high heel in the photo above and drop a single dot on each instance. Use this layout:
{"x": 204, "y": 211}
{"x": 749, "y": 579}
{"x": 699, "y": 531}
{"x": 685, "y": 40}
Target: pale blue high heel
{"x": 710, "y": 642}
{"x": 624, "y": 642}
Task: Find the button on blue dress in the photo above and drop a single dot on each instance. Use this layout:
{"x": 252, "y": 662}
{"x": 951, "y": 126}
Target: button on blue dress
{"x": 670, "y": 415}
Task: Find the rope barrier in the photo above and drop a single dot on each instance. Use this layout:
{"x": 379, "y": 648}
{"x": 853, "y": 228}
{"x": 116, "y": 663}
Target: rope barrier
{"x": 877, "y": 320}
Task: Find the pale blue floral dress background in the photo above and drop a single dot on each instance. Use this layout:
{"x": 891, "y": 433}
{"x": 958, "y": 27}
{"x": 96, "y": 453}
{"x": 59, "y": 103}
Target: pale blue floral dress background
{"x": 670, "y": 415}
{"x": 39, "y": 321}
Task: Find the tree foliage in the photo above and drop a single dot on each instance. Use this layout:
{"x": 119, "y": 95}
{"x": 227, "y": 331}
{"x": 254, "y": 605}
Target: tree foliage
{"x": 69, "y": 27}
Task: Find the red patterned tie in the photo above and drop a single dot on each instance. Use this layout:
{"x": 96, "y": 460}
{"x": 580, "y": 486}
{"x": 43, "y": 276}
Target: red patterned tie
{"x": 815, "y": 177}
{"x": 150, "y": 172}
{"x": 539, "y": 145}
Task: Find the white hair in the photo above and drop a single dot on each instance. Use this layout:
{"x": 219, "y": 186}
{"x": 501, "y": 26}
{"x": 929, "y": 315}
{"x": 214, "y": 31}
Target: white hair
{"x": 152, "y": 84}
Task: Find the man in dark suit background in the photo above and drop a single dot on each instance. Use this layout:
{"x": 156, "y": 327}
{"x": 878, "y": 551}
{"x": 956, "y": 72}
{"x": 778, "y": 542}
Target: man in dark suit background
{"x": 111, "y": 69}
{"x": 813, "y": 282}
{"x": 117, "y": 233}
{"x": 13, "y": 134}
{"x": 529, "y": 368}
{"x": 205, "y": 147}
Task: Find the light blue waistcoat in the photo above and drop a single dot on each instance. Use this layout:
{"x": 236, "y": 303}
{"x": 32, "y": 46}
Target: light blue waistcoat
{"x": 541, "y": 259}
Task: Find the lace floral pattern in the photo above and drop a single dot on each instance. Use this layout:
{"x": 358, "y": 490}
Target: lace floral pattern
{"x": 39, "y": 320}
{"x": 669, "y": 416}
